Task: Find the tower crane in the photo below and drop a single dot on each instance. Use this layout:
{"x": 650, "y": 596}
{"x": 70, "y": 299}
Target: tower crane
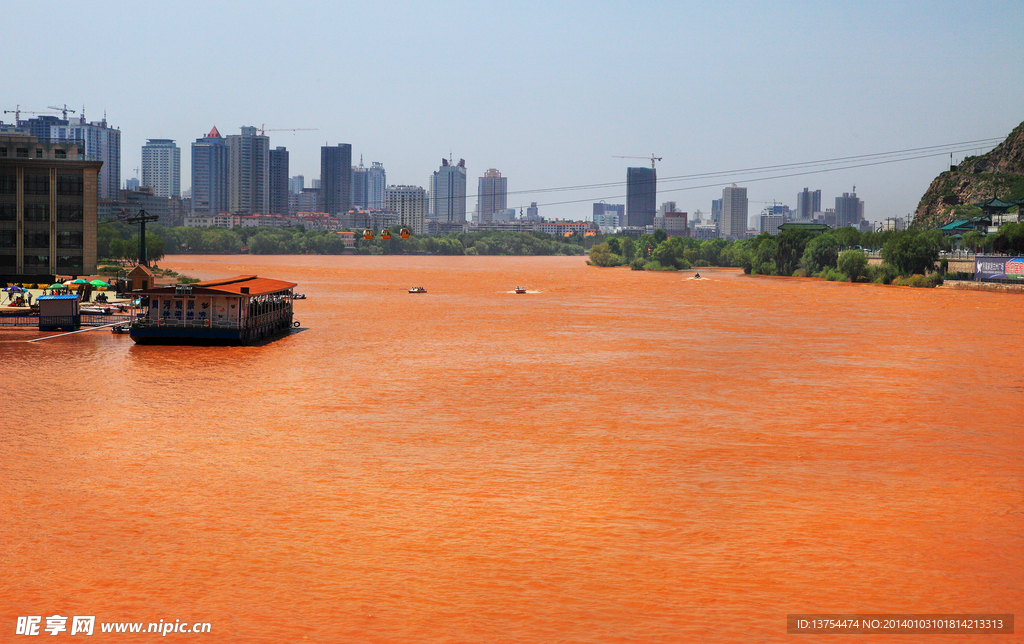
{"x": 652, "y": 158}
{"x": 17, "y": 114}
{"x": 64, "y": 110}
{"x": 263, "y": 128}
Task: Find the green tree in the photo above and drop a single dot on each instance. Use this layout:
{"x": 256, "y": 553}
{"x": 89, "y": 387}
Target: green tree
{"x": 854, "y": 263}
{"x": 791, "y": 245}
{"x": 1009, "y": 239}
{"x": 614, "y": 245}
{"x": 660, "y": 236}
{"x": 972, "y": 240}
{"x": 911, "y": 252}
{"x": 820, "y": 252}
{"x": 628, "y": 249}
{"x": 847, "y": 237}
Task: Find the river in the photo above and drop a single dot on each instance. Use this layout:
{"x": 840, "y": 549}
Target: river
{"x": 615, "y": 456}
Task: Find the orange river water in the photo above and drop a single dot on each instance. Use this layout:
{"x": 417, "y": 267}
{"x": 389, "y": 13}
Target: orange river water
{"x": 616, "y": 456}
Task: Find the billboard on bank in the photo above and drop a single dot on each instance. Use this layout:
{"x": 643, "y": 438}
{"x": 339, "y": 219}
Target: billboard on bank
{"x": 998, "y": 268}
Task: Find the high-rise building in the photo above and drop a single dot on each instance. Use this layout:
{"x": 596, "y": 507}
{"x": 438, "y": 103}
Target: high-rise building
{"x": 102, "y": 143}
{"x": 716, "y": 211}
{"x": 448, "y": 192}
{"x": 772, "y": 217}
{"x": 491, "y": 195}
{"x": 849, "y": 209}
{"x": 279, "y": 181}
{"x": 376, "y": 183}
{"x": 296, "y": 184}
{"x": 336, "y": 178}
{"x": 249, "y": 172}
{"x": 358, "y": 198}
{"x": 410, "y": 204}
{"x": 210, "y": 160}
{"x": 641, "y": 196}
{"x": 161, "y": 168}
{"x": 532, "y": 213}
{"x": 609, "y": 215}
{"x": 48, "y": 209}
{"x": 734, "y": 212}
{"x": 808, "y": 202}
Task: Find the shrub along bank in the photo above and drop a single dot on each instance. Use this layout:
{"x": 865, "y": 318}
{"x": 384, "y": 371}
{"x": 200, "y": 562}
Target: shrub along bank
{"x": 835, "y": 255}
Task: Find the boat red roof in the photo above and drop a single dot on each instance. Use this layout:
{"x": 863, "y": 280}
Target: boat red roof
{"x": 232, "y": 285}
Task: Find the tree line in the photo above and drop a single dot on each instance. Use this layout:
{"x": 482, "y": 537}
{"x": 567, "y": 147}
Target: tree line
{"x": 120, "y": 241}
{"x": 838, "y": 254}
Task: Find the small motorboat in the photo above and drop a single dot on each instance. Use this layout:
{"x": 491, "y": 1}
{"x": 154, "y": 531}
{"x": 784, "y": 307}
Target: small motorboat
{"x": 417, "y": 289}
{"x": 120, "y": 329}
{"x": 696, "y": 276}
{"x": 299, "y": 296}
{"x": 520, "y": 290}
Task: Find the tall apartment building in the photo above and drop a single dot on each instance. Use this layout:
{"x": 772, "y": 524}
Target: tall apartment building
{"x": 161, "y": 168}
{"x": 491, "y": 195}
{"x": 376, "y": 184}
{"x": 359, "y": 197}
{"x": 641, "y": 196}
{"x": 210, "y": 160}
{"x": 249, "y": 172}
{"x": 48, "y": 209}
{"x": 279, "y": 181}
{"x": 101, "y": 143}
{"x": 410, "y": 204}
{"x": 532, "y": 213}
{"x": 808, "y": 202}
{"x": 849, "y": 209}
{"x": 296, "y": 184}
{"x": 734, "y": 212}
{"x": 336, "y": 178}
{"x": 448, "y": 192}
{"x": 716, "y": 211}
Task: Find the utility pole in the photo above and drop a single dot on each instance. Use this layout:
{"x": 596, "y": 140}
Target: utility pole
{"x": 141, "y": 219}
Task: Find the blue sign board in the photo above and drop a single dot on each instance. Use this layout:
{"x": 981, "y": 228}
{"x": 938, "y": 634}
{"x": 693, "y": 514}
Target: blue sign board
{"x": 998, "y": 268}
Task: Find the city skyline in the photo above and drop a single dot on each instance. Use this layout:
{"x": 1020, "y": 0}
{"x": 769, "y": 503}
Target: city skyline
{"x": 873, "y": 79}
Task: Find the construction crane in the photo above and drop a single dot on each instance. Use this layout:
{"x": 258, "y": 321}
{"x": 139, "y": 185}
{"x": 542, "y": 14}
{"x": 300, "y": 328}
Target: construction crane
{"x": 261, "y": 129}
{"x": 17, "y": 114}
{"x": 64, "y": 110}
{"x": 652, "y": 158}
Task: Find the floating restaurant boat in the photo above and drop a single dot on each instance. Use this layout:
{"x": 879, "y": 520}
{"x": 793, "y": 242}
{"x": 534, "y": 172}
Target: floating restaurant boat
{"x": 417, "y": 289}
{"x": 233, "y": 311}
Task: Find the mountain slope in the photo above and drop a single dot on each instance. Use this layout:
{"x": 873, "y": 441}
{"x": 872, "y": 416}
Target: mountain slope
{"x": 1000, "y": 173}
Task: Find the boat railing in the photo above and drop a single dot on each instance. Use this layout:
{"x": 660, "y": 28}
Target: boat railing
{"x": 174, "y": 323}
{"x": 270, "y": 317}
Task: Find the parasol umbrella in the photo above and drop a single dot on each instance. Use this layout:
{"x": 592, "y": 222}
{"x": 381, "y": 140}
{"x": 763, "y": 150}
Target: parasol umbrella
{"x": 55, "y": 285}
{"x": 78, "y": 281}
{"x": 99, "y": 283}
{"x": 14, "y": 289}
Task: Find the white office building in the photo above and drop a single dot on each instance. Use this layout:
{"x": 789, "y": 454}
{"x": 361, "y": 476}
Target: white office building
{"x": 161, "y": 168}
{"x": 410, "y": 204}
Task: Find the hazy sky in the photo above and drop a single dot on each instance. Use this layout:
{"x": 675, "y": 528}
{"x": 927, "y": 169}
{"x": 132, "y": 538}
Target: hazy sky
{"x": 547, "y": 93}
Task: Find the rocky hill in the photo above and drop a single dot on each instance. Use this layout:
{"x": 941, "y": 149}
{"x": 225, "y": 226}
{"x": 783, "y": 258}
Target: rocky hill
{"x": 1000, "y": 173}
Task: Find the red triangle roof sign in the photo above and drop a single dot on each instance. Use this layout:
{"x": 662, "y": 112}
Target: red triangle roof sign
{"x": 214, "y": 134}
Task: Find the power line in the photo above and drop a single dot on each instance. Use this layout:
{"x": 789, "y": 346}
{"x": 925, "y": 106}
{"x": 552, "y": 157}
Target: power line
{"x": 769, "y": 168}
{"x": 781, "y": 176}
